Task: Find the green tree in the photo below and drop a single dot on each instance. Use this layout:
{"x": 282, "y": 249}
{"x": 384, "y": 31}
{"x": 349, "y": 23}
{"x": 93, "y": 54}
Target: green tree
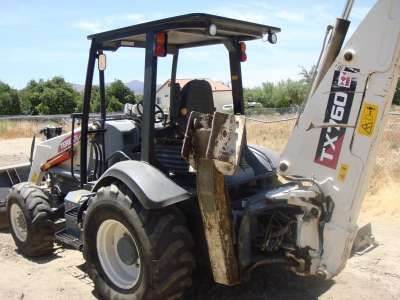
{"x": 289, "y": 93}
{"x": 138, "y": 98}
{"x": 54, "y": 96}
{"x": 94, "y": 100}
{"x": 283, "y": 94}
{"x": 307, "y": 75}
{"x": 113, "y": 104}
{"x": 117, "y": 95}
{"x": 9, "y": 100}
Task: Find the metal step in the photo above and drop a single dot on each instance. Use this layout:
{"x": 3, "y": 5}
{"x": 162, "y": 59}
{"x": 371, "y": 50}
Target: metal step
{"x": 65, "y": 238}
{"x": 59, "y": 224}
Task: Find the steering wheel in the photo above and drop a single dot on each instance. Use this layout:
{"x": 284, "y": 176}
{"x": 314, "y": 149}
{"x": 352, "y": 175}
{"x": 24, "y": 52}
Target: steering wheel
{"x": 158, "y": 111}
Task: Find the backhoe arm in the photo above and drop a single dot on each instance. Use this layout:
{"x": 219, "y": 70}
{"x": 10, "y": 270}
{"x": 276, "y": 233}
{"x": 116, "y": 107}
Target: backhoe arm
{"x": 335, "y": 138}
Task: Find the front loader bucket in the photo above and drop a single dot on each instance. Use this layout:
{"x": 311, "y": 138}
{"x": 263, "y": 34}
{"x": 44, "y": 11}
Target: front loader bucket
{"x": 9, "y": 176}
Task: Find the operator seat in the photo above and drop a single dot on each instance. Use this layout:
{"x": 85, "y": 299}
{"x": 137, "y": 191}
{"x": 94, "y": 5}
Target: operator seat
{"x": 196, "y": 95}
{"x": 175, "y": 100}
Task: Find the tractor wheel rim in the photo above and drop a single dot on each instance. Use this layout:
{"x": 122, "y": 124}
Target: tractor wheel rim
{"x": 122, "y": 272}
{"x": 18, "y": 222}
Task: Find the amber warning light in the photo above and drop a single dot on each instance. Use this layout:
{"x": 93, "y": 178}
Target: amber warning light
{"x": 243, "y": 55}
{"x": 161, "y": 44}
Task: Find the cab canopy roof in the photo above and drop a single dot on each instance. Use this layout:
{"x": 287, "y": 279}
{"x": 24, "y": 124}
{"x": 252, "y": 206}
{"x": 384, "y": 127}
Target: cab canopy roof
{"x": 191, "y": 30}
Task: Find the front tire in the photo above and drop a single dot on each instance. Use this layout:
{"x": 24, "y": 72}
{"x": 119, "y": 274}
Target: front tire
{"x": 132, "y": 253}
{"x": 28, "y": 211}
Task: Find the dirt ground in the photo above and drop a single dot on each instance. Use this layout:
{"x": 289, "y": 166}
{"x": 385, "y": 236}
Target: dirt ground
{"x": 14, "y": 151}
{"x": 374, "y": 275}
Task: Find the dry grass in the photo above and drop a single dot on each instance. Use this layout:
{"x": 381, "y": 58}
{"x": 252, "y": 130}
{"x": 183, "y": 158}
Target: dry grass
{"x": 272, "y": 136}
{"x": 12, "y": 129}
{"x": 384, "y": 185}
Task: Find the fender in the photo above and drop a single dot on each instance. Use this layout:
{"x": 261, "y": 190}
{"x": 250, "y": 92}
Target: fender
{"x": 151, "y": 187}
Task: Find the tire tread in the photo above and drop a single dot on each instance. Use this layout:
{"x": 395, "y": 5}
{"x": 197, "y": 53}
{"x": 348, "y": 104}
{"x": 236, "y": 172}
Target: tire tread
{"x": 171, "y": 247}
{"x": 41, "y": 229}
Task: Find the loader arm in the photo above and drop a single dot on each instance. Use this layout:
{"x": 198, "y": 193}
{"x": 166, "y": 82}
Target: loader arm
{"x": 48, "y": 150}
{"x": 335, "y": 138}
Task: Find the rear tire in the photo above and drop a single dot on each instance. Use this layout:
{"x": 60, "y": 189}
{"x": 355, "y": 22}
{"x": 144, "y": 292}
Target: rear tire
{"x": 28, "y": 212}
{"x": 163, "y": 243}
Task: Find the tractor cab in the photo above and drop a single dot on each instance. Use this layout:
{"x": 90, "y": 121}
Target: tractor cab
{"x": 147, "y": 132}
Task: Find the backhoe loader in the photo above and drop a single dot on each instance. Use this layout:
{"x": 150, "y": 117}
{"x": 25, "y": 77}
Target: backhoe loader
{"x": 150, "y": 196}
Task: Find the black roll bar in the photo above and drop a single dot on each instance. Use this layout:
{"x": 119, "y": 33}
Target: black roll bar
{"x": 149, "y": 99}
{"x": 85, "y": 112}
{"x": 236, "y": 76}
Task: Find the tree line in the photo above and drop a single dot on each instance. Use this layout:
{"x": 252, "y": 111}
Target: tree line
{"x": 282, "y": 94}
{"x": 56, "y": 96}
{"x": 289, "y": 92}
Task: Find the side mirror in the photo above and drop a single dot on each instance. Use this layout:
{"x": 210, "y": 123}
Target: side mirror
{"x": 101, "y": 62}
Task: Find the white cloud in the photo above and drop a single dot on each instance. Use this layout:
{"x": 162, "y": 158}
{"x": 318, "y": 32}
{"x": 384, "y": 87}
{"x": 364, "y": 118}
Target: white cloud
{"x": 113, "y": 21}
{"x": 290, "y": 16}
{"x": 89, "y": 26}
{"x": 137, "y": 18}
{"x": 250, "y": 16}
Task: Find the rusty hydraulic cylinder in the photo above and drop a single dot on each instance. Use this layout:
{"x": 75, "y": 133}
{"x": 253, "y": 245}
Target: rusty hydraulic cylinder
{"x": 213, "y": 146}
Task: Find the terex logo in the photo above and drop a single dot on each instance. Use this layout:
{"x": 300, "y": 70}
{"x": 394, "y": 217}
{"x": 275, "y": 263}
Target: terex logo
{"x": 332, "y": 144}
{"x": 337, "y": 112}
{"x": 66, "y": 143}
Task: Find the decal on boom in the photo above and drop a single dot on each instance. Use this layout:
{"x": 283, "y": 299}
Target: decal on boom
{"x": 369, "y": 116}
{"x": 66, "y": 143}
{"x": 337, "y": 112}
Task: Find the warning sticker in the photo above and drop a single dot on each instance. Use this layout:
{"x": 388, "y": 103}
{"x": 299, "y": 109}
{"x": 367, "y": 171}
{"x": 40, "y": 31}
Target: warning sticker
{"x": 344, "y": 169}
{"x": 369, "y": 114}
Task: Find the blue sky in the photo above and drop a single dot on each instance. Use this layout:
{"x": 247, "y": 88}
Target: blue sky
{"x": 44, "y": 38}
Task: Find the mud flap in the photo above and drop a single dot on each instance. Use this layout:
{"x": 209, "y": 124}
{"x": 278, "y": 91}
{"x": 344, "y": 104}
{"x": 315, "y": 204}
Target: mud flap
{"x": 364, "y": 241}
